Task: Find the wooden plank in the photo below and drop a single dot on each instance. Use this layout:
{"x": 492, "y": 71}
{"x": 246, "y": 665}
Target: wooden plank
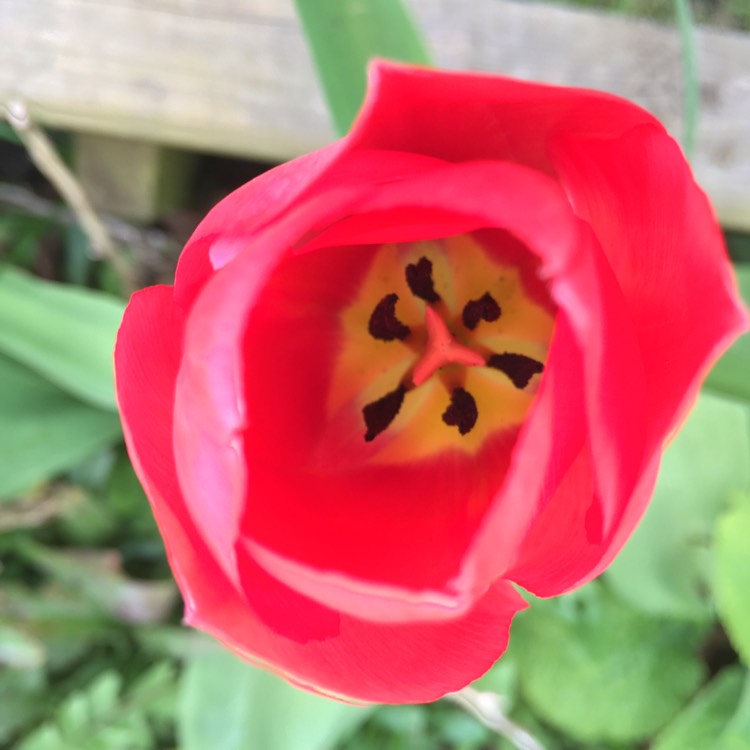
{"x": 234, "y": 76}
{"x": 135, "y": 180}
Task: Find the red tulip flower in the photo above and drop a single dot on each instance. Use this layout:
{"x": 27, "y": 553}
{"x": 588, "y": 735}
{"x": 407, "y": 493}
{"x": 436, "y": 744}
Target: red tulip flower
{"x": 398, "y": 376}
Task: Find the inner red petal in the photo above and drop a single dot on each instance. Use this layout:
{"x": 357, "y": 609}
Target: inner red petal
{"x": 313, "y": 496}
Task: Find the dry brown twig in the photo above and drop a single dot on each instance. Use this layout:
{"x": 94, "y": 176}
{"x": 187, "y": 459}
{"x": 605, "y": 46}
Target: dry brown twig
{"x": 152, "y": 249}
{"x": 44, "y": 155}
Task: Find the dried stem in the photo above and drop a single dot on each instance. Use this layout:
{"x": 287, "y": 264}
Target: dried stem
{"x": 487, "y": 707}
{"x": 48, "y": 161}
{"x": 152, "y": 249}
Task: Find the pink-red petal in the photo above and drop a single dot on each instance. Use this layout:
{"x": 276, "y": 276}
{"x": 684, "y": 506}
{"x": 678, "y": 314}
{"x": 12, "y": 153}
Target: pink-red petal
{"x": 274, "y": 626}
{"x": 460, "y": 116}
{"x": 659, "y": 235}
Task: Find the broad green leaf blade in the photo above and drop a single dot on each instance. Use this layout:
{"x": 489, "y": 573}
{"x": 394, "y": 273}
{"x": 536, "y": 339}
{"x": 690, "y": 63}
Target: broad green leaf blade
{"x": 344, "y": 35}
{"x": 705, "y": 718}
{"x": 600, "y": 671}
{"x": 732, "y": 574}
{"x": 65, "y": 333}
{"x": 731, "y": 374}
{"x": 228, "y": 704}
{"x": 44, "y": 430}
{"x": 665, "y": 569}
{"x": 737, "y": 735}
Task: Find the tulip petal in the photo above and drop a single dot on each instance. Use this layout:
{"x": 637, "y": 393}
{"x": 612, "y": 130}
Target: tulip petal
{"x": 639, "y": 197}
{"x": 246, "y": 211}
{"x": 276, "y": 627}
{"x": 590, "y": 300}
{"x": 460, "y": 116}
{"x": 364, "y": 661}
{"x": 210, "y": 408}
{"x": 243, "y": 212}
{"x": 637, "y": 192}
{"x": 407, "y": 527}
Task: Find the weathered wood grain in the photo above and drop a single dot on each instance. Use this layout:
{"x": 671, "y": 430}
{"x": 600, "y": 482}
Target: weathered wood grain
{"x": 234, "y": 76}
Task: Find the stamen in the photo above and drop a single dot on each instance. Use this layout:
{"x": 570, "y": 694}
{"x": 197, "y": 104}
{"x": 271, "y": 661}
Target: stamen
{"x": 462, "y": 412}
{"x": 518, "y": 367}
{"x": 484, "y": 308}
{"x": 419, "y": 279}
{"x": 379, "y": 414}
{"x": 384, "y": 325}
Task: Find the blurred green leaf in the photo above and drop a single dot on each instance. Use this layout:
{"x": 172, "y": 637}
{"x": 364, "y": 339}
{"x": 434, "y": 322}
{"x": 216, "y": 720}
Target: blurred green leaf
{"x": 666, "y": 567}
{"x": 501, "y": 679}
{"x": 344, "y": 35}
{"x": 22, "y": 696}
{"x": 101, "y": 718}
{"x": 737, "y": 734}
{"x": 19, "y": 650}
{"x": 65, "y": 333}
{"x": 690, "y": 75}
{"x": 699, "y": 725}
{"x": 65, "y": 625}
{"x": 7, "y": 133}
{"x": 43, "y": 430}
{"x": 600, "y": 671}
{"x": 228, "y": 704}
{"x": 98, "y": 575}
{"x": 731, "y": 374}
{"x": 731, "y": 580}
{"x": 21, "y": 237}
{"x": 127, "y": 500}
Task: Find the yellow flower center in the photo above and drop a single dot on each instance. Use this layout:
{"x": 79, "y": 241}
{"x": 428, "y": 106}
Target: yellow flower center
{"x": 443, "y": 346}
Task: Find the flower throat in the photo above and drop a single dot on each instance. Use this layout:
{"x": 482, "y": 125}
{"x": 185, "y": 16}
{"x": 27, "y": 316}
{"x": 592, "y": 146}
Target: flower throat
{"x": 456, "y": 344}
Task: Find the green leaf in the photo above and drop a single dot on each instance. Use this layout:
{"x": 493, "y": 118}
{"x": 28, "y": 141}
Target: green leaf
{"x": 65, "y": 333}
{"x": 19, "y": 650}
{"x": 43, "y": 430}
{"x": 228, "y": 704}
{"x": 737, "y": 734}
{"x": 690, "y": 74}
{"x": 731, "y": 580}
{"x": 127, "y": 500}
{"x": 65, "y": 626}
{"x": 729, "y": 375}
{"x": 600, "y": 671}
{"x": 100, "y": 718}
{"x": 22, "y": 698}
{"x": 344, "y": 35}
{"x": 98, "y": 575}
{"x": 666, "y": 567}
{"x": 705, "y": 718}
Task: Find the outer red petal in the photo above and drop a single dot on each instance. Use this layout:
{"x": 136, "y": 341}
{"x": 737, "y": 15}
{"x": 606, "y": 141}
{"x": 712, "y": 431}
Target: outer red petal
{"x": 231, "y": 224}
{"x": 277, "y": 627}
{"x": 666, "y": 251}
{"x": 460, "y": 116}
{"x": 244, "y": 211}
{"x": 147, "y": 355}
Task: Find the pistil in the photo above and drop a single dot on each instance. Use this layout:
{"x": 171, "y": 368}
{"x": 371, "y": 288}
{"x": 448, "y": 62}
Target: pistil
{"x": 441, "y": 349}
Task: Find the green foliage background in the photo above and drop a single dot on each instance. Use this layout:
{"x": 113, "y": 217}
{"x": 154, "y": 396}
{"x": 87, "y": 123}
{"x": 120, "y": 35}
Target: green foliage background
{"x": 655, "y": 654}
